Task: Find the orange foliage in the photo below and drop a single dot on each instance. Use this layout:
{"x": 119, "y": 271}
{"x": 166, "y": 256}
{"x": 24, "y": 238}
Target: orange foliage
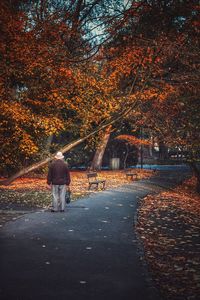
{"x": 79, "y": 182}
{"x": 133, "y": 140}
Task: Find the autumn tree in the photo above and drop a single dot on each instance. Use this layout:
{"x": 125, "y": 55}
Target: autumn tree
{"x": 172, "y": 114}
{"x": 134, "y": 74}
{"x": 131, "y": 140}
{"x": 29, "y": 86}
{"x": 177, "y": 119}
{"x": 129, "y": 62}
{"x": 152, "y": 61}
{"x": 48, "y": 86}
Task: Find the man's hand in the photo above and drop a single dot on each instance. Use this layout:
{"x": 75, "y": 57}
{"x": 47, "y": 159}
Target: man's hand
{"x": 68, "y": 188}
{"x": 49, "y": 186}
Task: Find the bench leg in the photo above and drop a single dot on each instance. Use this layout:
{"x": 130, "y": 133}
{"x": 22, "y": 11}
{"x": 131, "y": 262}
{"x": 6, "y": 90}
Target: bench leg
{"x": 97, "y": 185}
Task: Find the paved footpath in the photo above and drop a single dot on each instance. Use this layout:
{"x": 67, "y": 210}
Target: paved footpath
{"x": 91, "y": 251}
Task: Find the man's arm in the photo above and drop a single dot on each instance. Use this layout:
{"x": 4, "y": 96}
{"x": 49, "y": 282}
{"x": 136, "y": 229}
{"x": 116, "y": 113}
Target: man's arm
{"x": 68, "y": 178}
{"x": 49, "y": 178}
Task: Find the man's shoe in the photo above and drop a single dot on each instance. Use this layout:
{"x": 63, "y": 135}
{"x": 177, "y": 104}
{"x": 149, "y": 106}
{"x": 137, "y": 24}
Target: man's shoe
{"x": 62, "y": 210}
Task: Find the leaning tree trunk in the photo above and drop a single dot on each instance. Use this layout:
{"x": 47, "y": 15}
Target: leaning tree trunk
{"x": 98, "y": 157}
{"x": 196, "y": 173}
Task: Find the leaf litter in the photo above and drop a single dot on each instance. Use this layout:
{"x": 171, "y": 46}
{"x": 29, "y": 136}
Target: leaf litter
{"x": 168, "y": 225}
{"x": 169, "y": 228}
{"x": 31, "y": 193}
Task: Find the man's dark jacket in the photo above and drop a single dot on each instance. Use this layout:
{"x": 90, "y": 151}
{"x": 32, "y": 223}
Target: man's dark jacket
{"x": 58, "y": 173}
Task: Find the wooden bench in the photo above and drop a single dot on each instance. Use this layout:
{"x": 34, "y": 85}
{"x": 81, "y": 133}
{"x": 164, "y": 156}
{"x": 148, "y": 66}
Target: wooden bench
{"x": 132, "y": 176}
{"x": 93, "y": 180}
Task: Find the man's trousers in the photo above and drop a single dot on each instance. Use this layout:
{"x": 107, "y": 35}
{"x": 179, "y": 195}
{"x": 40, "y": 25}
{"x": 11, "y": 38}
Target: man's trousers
{"x": 58, "y": 192}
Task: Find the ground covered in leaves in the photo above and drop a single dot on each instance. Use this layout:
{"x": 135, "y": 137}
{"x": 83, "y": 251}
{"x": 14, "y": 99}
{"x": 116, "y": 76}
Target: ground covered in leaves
{"x": 31, "y": 193}
{"x": 169, "y": 227}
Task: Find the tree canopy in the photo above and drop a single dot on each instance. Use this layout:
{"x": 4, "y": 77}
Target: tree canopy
{"x": 75, "y": 66}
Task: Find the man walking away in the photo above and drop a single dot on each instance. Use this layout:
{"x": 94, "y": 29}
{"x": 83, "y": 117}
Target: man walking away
{"x": 58, "y": 180}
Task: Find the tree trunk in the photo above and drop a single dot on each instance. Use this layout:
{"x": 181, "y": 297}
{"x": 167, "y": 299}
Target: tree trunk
{"x": 126, "y": 156}
{"x": 196, "y": 173}
{"x": 49, "y": 142}
{"x": 98, "y": 157}
{"x": 163, "y": 154}
{"x": 150, "y": 147}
